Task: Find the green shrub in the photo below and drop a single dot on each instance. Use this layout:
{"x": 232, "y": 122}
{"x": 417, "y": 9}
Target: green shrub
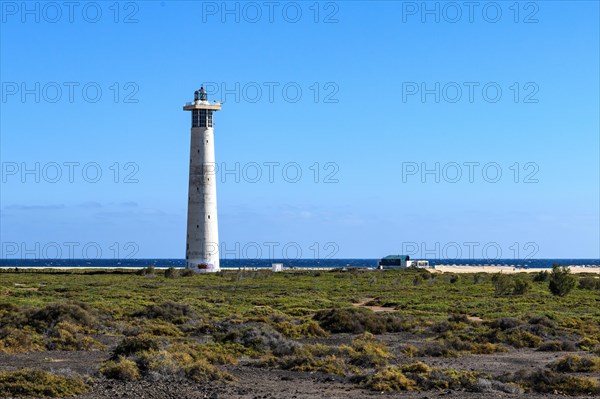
{"x": 557, "y": 346}
{"x": 409, "y": 351}
{"x": 541, "y": 277}
{"x": 187, "y": 273}
{"x": 123, "y": 369}
{"x": 561, "y": 281}
{"x": 502, "y": 283}
{"x": 487, "y": 348}
{"x": 523, "y": 339}
{"x": 257, "y": 337}
{"x": 171, "y": 272}
{"x": 547, "y": 381}
{"x": 202, "y": 370}
{"x": 330, "y": 364}
{"x": 147, "y": 271}
{"x": 358, "y": 320}
{"x": 66, "y": 336}
{"x": 589, "y": 283}
{"x": 390, "y": 379}
{"x": 521, "y": 286}
{"x": 39, "y": 383}
{"x": 421, "y": 376}
{"x": 136, "y": 344}
{"x": 14, "y": 340}
{"x": 51, "y": 315}
{"x": 576, "y": 364}
{"x": 367, "y": 351}
{"x": 587, "y": 343}
{"x": 505, "y": 323}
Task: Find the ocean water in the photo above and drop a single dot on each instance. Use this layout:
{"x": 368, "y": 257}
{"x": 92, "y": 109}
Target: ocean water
{"x": 289, "y": 263}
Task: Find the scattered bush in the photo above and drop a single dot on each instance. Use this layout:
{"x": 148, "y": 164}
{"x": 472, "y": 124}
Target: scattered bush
{"x": 64, "y": 326}
{"x": 141, "y": 357}
{"x": 576, "y": 364}
{"x": 147, "y": 271}
{"x": 523, "y": 339}
{"x": 123, "y": 369}
{"x": 587, "y": 344}
{"x": 330, "y": 364}
{"x": 505, "y": 323}
{"x": 390, "y": 379}
{"x": 561, "y": 281}
{"x": 39, "y": 383}
{"x": 438, "y": 349}
{"x": 547, "y": 381}
{"x": 358, "y": 320}
{"x": 541, "y": 277}
{"x": 13, "y": 340}
{"x": 134, "y": 345}
{"x": 367, "y": 351}
{"x": 486, "y": 385}
{"x": 70, "y": 337}
{"x": 521, "y": 287}
{"x": 421, "y": 376}
{"x": 589, "y": 283}
{"x": 542, "y": 321}
{"x": 503, "y": 284}
{"x": 557, "y": 346}
{"x": 187, "y": 273}
{"x": 51, "y": 315}
{"x": 171, "y": 272}
{"x": 258, "y": 337}
{"x": 487, "y": 348}
{"x": 409, "y": 351}
{"x": 201, "y": 370}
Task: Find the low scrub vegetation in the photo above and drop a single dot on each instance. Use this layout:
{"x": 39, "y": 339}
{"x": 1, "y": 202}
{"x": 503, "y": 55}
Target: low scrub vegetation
{"x": 358, "y": 320}
{"x": 421, "y": 376}
{"x": 548, "y": 381}
{"x": 144, "y": 357}
{"x": 172, "y": 328}
{"x": 39, "y": 383}
{"x": 576, "y": 364}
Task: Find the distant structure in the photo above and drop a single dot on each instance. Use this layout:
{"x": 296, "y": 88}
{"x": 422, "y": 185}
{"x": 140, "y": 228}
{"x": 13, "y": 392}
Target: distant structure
{"x": 277, "y": 267}
{"x": 202, "y": 249}
{"x": 400, "y": 261}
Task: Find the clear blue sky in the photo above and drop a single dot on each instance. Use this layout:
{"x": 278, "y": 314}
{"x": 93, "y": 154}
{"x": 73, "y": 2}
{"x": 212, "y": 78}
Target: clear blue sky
{"x": 367, "y": 128}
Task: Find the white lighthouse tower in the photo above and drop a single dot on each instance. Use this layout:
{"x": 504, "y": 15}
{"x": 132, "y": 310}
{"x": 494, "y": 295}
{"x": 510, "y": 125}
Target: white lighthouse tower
{"x": 202, "y": 249}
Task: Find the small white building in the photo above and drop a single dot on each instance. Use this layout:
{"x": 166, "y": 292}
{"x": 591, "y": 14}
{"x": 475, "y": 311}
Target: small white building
{"x": 277, "y": 267}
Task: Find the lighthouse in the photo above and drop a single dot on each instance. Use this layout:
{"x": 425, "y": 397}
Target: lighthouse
{"x": 202, "y": 248}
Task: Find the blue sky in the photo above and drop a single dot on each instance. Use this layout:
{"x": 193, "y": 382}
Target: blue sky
{"x": 346, "y": 101}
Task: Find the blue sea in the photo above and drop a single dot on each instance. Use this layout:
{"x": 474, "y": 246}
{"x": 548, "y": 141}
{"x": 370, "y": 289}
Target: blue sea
{"x": 288, "y": 263}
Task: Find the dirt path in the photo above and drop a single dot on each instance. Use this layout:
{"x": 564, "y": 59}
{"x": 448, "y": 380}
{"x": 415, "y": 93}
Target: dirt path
{"x": 364, "y": 302}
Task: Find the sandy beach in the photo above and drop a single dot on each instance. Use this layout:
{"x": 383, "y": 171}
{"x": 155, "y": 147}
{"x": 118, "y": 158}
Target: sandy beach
{"x": 507, "y": 269}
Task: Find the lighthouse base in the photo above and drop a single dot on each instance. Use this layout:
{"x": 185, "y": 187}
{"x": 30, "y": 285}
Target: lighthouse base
{"x": 200, "y": 266}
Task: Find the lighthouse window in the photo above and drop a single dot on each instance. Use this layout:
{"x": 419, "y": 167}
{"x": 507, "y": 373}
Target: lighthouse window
{"x": 202, "y": 118}
{"x": 196, "y": 118}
